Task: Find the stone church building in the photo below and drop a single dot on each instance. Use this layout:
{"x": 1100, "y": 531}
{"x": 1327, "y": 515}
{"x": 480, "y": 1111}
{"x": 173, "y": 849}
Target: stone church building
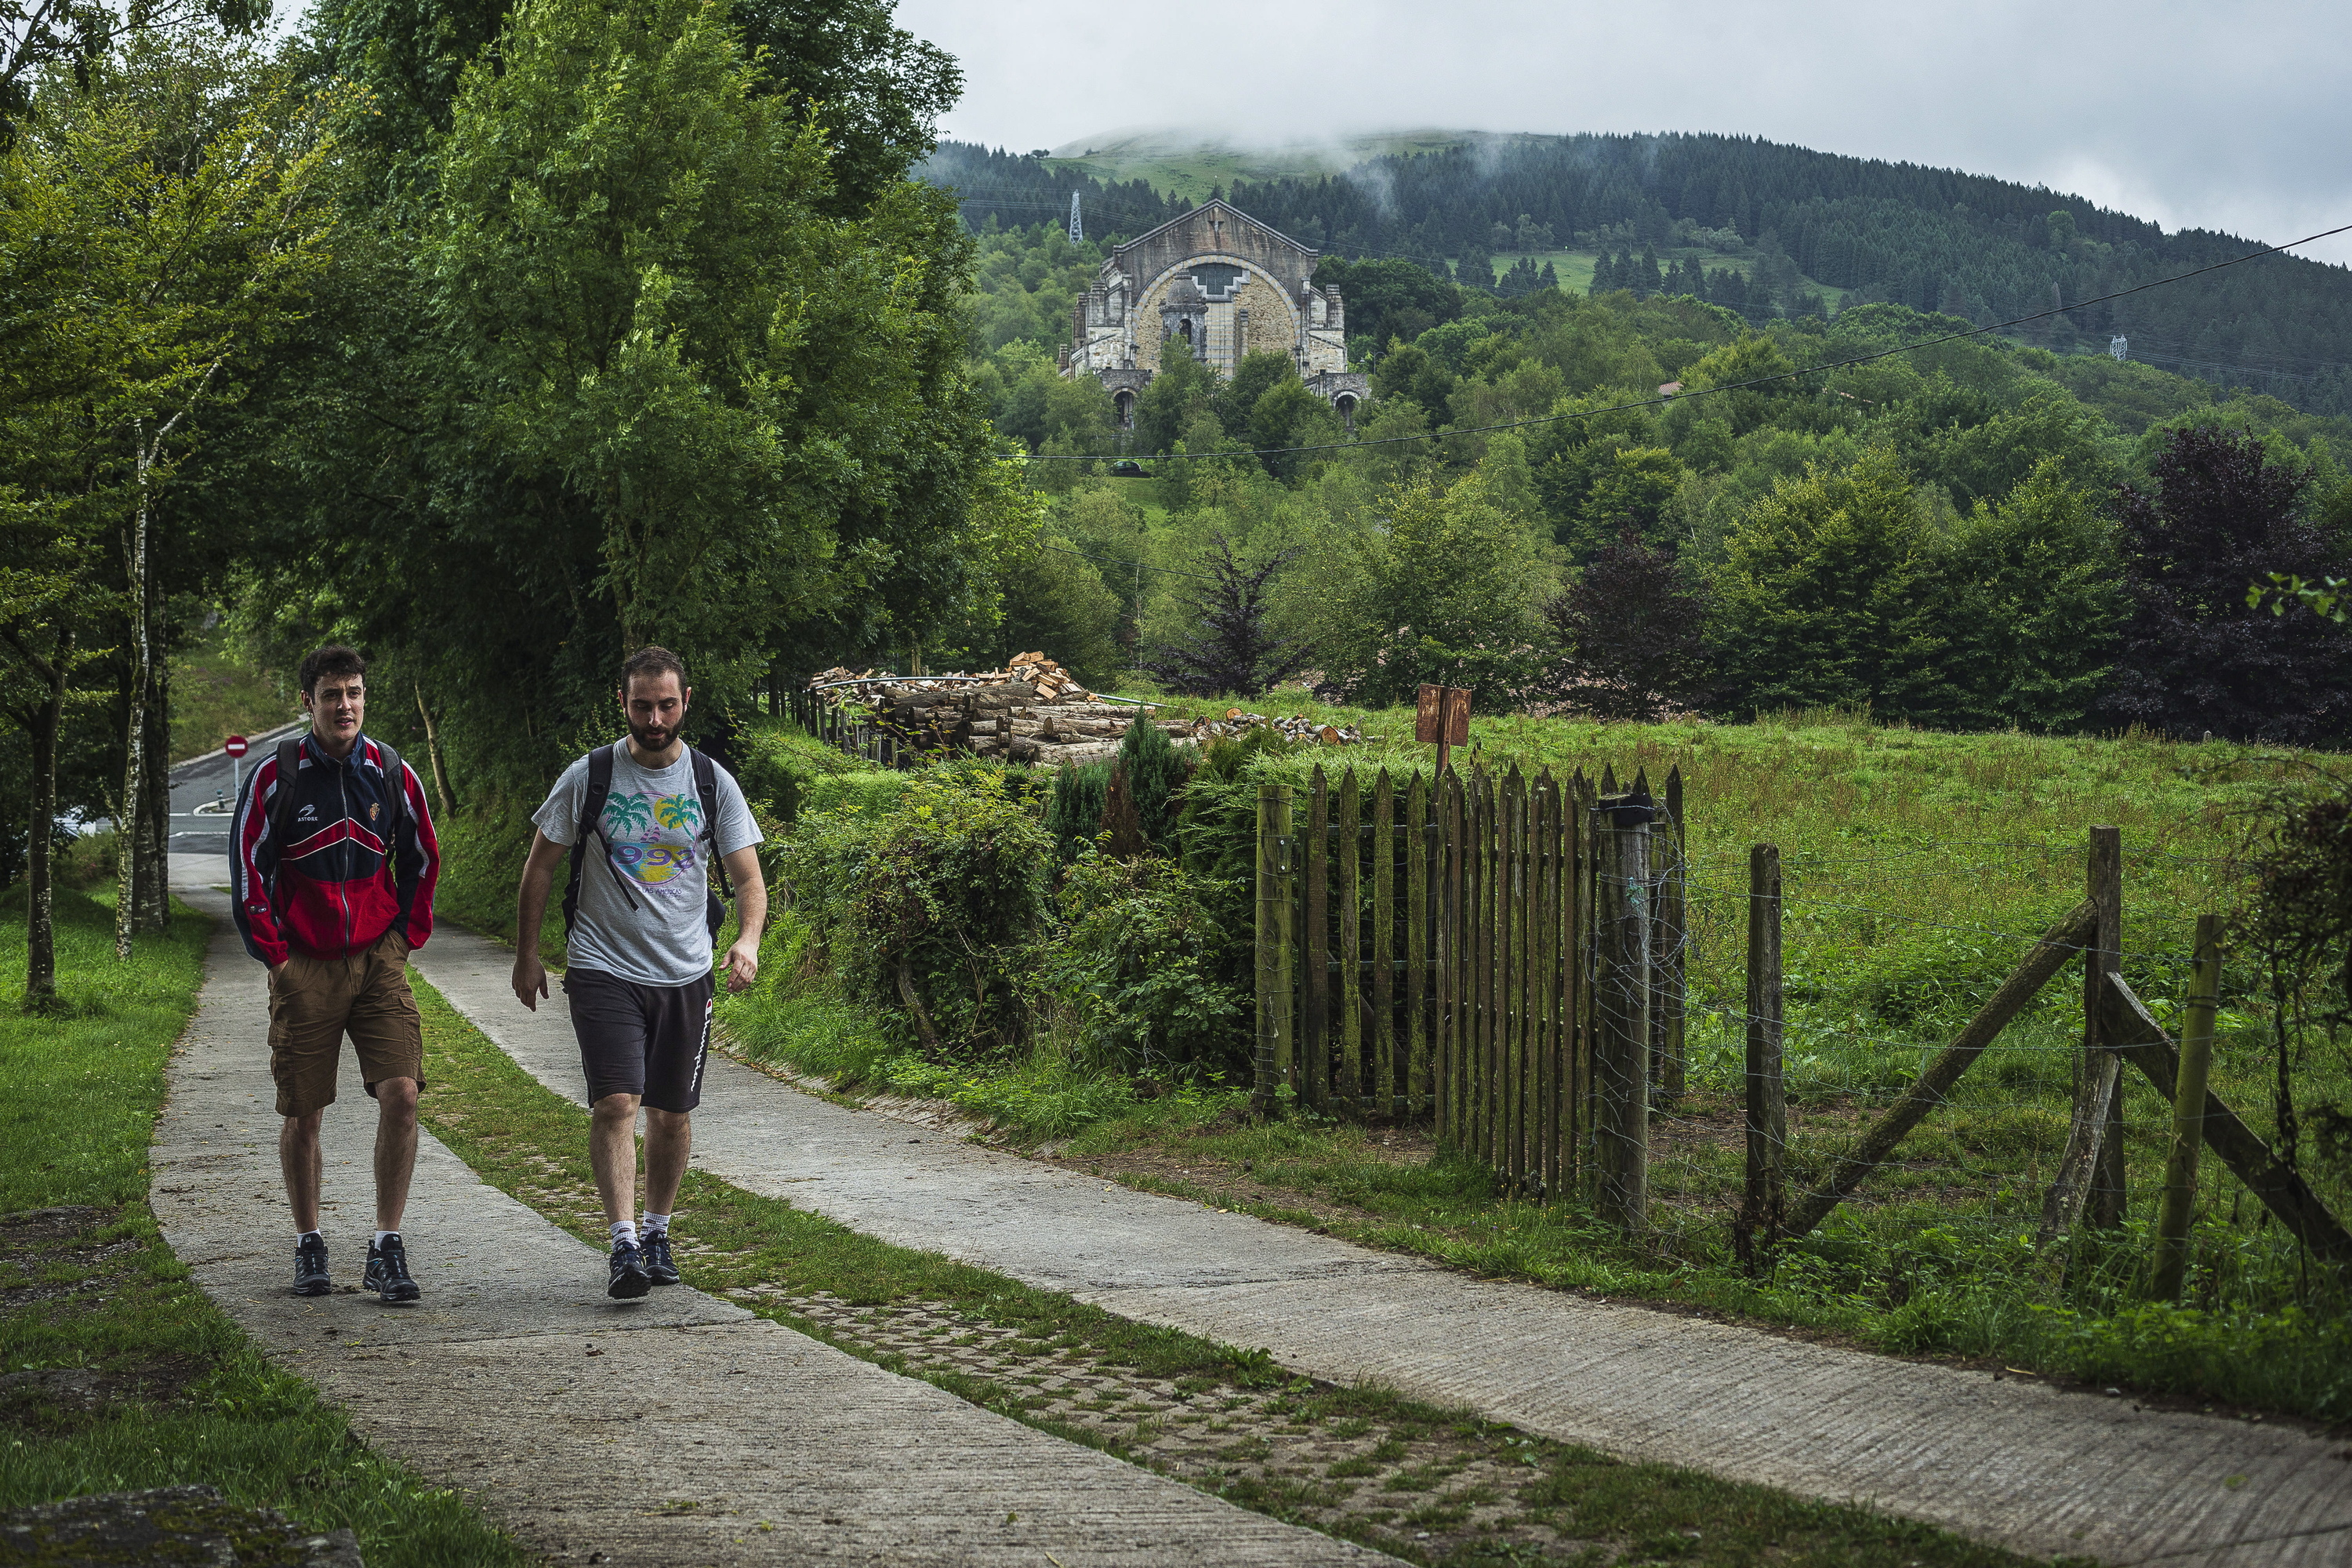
{"x": 1216, "y": 284}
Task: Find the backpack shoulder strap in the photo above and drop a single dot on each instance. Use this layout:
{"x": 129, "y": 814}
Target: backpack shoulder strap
{"x": 706, "y": 789}
{"x": 600, "y": 790}
{"x": 396, "y": 789}
{"x": 281, "y": 804}
{"x": 590, "y": 822}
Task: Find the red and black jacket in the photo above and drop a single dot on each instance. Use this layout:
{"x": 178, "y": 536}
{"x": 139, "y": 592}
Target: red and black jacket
{"x": 335, "y": 887}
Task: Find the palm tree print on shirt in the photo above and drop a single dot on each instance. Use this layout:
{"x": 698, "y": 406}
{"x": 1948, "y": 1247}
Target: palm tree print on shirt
{"x": 646, "y": 859}
{"x": 626, "y": 813}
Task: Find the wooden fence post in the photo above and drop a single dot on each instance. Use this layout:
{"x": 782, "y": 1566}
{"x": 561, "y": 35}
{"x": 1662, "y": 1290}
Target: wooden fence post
{"x": 1388, "y": 1078}
{"x": 1420, "y": 847}
{"x": 1764, "y": 1206}
{"x": 1452, "y": 961}
{"x": 1576, "y": 813}
{"x": 1355, "y": 1083}
{"x": 1510, "y": 969}
{"x": 1315, "y": 1035}
{"x": 1621, "y": 1023}
{"x": 1667, "y": 1068}
{"x": 1273, "y": 943}
{"x": 2178, "y": 1210}
{"x": 1546, "y": 955}
{"x": 2106, "y": 888}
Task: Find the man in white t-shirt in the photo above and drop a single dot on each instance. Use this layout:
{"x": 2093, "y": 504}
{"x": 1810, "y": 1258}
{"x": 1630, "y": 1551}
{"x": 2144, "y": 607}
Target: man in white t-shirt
{"x": 644, "y": 820}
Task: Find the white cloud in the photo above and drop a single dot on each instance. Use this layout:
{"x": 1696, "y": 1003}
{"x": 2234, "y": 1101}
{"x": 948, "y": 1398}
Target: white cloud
{"x": 2219, "y": 117}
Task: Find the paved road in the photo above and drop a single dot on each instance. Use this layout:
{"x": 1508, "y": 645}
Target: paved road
{"x": 679, "y": 1430}
{"x": 202, "y": 836}
{"x": 2008, "y": 1461}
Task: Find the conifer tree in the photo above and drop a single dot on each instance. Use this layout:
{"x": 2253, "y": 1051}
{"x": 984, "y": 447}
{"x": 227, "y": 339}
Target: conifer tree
{"x": 1826, "y": 597}
{"x": 1234, "y": 652}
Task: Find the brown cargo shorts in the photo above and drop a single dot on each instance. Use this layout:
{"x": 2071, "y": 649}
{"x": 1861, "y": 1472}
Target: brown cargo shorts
{"x": 314, "y": 1002}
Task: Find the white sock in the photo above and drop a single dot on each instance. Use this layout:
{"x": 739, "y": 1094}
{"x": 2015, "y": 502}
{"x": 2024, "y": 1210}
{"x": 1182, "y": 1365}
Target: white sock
{"x": 302, "y": 1235}
{"x": 656, "y": 1225}
{"x": 624, "y": 1230}
{"x": 379, "y": 1236}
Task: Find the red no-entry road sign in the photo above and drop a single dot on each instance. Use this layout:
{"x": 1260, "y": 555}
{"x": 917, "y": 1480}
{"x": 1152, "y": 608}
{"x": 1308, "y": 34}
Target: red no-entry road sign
{"x": 234, "y": 746}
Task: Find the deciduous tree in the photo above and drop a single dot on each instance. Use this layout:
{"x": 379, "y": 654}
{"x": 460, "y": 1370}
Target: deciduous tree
{"x": 2195, "y": 656}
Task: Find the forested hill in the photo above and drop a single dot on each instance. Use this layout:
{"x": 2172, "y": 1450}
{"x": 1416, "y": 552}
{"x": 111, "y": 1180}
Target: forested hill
{"x": 1786, "y": 219}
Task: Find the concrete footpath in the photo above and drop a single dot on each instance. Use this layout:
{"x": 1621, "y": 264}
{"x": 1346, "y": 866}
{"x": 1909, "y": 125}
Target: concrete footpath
{"x": 677, "y": 1430}
{"x": 2008, "y": 1461}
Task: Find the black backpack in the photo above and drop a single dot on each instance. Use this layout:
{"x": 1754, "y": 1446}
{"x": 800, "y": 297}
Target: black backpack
{"x": 592, "y": 821}
{"x": 281, "y": 809}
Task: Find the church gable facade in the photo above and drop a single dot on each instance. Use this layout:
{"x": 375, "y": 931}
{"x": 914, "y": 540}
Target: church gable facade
{"x": 1216, "y": 284}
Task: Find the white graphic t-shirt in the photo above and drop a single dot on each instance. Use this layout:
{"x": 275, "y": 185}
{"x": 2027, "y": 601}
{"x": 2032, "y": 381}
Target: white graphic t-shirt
{"x": 652, "y": 853}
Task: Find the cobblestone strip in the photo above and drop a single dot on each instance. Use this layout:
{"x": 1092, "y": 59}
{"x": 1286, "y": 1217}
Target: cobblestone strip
{"x": 1404, "y": 1482}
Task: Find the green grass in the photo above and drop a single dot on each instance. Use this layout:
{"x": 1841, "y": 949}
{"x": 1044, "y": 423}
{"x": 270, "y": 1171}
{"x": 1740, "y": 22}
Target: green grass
{"x": 1574, "y": 268}
{"x": 1918, "y": 866}
{"x": 481, "y": 868}
{"x": 185, "y": 1396}
{"x": 532, "y": 1144}
{"x": 217, "y": 692}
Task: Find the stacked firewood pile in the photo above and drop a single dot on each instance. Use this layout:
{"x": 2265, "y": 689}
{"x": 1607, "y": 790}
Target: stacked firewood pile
{"x": 1033, "y": 711}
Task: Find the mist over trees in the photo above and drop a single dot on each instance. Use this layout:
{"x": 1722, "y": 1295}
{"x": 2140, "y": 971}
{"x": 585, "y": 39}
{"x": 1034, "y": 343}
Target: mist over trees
{"x": 1938, "y": 241}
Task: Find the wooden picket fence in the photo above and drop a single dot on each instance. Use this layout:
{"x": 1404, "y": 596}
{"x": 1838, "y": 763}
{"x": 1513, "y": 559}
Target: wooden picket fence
{"x": 1477, "y": 952}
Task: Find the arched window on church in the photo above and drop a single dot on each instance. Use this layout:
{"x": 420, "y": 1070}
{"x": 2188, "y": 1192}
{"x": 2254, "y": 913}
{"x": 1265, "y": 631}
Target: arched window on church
{"x": 1125, "y": 402}
{"x": 1184, "y": 329}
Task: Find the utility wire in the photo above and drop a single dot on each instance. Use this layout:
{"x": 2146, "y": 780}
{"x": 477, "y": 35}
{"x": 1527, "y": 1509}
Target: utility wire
{"x": 1130, "y": 565}
{"x": 1682, "y": 397}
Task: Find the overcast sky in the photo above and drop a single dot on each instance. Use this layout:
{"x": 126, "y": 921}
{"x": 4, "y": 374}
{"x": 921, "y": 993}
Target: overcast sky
{"x": 2228, "y": 116}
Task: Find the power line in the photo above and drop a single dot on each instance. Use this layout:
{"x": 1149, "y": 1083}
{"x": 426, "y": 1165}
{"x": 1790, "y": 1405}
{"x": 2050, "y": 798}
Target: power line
{"x": 1684, "y": 396}
{"x": 1132, "y": 565}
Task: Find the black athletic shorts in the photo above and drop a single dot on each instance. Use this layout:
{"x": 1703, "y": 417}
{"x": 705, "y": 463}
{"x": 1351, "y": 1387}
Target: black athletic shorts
{"x": 647, "y": 1040}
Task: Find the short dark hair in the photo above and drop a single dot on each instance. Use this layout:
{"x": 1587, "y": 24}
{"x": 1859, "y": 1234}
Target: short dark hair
{"x": 653, "y": 662}
{"x": 332, "y": 659}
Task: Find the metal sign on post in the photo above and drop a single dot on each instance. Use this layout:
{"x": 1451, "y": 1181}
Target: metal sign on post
{"x": 235, "y": 746}
{"x": 1442, "y": 718}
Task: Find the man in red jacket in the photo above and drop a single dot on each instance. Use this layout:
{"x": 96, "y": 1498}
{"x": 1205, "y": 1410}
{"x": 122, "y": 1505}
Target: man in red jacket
{"x": 334, "y": 864}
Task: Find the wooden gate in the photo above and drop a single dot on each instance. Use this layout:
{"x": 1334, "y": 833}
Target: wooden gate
{"x": 1431, "y": 953}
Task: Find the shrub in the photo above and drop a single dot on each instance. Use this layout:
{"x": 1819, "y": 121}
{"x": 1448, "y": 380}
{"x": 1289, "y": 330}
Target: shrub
{"x": 1144, "y": 964}
{"x": 1148, "y": 784}
{"x": 1075, "y": 813}
{"x": 929, "y": 904}
{"x": 784, "y": 769}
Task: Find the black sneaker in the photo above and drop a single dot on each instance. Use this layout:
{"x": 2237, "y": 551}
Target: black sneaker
{"x": 387, "y": 1271}
{"x": 657, "y": 1259}
{"x": 630, "y": 1279}
{"x": 310, "y": 1276}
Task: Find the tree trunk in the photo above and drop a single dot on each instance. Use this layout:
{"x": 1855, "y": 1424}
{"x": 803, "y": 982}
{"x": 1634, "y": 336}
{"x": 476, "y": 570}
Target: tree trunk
{"x": 444, "y": 804}
{"x": 155, "y": 842}
{"x": 40, "y": 902}
{"x": 132, "y": 810}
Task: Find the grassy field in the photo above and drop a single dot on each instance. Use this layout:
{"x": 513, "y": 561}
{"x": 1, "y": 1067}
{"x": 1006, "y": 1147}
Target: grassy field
{"x": 1418, "y": 1482}
{"x": 1574, "y": 268}
{"x": 1918, "y": 866}
{"x": 217, "y": 693}
{"x": 119, "y": 1372}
